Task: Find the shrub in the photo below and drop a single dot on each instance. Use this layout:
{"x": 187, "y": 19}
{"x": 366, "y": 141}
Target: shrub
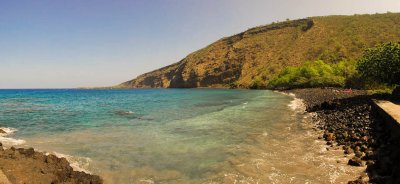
{"x": 258, "y": 83}
{"x": 381, "y": 64}
{"x": 314, "y": 74}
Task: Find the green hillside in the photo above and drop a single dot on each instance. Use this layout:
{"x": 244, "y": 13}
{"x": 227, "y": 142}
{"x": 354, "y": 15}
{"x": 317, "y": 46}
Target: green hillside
{"x": 261, "y": 52}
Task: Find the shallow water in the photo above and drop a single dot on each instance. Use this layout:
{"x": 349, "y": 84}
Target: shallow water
{"x": 175, "y": 135}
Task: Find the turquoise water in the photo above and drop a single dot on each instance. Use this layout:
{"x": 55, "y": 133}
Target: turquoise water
{"x": 165, "y": 135}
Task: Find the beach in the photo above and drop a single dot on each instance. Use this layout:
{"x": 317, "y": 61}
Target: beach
{"x": 349, "y": 121}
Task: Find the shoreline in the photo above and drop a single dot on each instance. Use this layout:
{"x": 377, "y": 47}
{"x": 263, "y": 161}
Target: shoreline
{"x": 348, "y": 120}
{"x": 343, "y": 119}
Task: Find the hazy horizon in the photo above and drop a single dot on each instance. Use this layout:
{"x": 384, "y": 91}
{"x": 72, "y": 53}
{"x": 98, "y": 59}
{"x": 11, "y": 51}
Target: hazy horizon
{"x": 68, "y": 44}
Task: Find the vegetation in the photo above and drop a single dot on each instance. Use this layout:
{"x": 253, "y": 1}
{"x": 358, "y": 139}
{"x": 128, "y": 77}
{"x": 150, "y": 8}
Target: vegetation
{"x": 381, "y": 64}
{"x": 251, "y": 58}
{"x": 315, "y": 74}
{"x": 378, "y": 70}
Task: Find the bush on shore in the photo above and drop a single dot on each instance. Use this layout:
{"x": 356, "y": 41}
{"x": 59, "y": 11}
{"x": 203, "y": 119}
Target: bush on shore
{"x": 381, "y": 64}
{"x": 315, "y": 74}
{"x": 377, "y": 70}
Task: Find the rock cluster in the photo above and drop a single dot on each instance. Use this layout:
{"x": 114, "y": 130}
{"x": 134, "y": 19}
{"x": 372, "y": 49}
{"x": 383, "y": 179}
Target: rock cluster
{"x": 22, "y": 165}
{"x": 349, "y": 121}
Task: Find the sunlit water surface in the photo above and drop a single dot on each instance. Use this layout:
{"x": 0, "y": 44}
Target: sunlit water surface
{"x": 175, "y": 135}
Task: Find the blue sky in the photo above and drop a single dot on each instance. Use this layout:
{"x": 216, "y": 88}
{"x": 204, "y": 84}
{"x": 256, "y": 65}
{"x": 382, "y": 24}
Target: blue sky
{"x": 72, "y": 43}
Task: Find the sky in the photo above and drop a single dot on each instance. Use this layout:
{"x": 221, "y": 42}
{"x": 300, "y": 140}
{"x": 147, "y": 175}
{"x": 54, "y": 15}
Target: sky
{"x": 87, "y": 43}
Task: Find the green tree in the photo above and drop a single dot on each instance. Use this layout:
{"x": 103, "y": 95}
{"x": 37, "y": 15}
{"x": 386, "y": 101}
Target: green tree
{"x": 381, "y": 64}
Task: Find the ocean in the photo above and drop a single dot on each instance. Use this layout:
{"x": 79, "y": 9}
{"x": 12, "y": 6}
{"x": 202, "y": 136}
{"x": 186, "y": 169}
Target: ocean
{"x": 174, "y": 135}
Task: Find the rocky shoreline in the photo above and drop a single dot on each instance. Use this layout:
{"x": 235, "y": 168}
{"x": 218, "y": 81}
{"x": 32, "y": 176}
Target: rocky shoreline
{"x": 349, "y": 122}
{"x": 25, "y": 165}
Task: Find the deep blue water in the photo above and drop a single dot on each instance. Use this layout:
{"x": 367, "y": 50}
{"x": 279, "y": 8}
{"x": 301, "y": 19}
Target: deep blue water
{"x": 60, "y": 110}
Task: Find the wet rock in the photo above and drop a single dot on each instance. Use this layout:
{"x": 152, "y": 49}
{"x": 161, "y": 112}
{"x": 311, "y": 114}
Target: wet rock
{"x": 345, "y": 135}
{"x": 364, "y": 148}
{"x": 370, "y": 162}
{"x": 348, "y": 150}
{"x": 363, "y": 179}
{"x": 359, "y": 154}
{"x": 329, "y": 136}
{"x": 27, "y": 152}
{"x": 351, "y": 122}
{"x": 355, "y": 161}
{"x": 370, "y": 155}
{"x": 364, "y": 138}
{"x": 2, "y": 131}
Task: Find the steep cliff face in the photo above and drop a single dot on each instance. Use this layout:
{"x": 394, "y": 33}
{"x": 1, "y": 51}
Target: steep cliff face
{"x": 263, "y": 51}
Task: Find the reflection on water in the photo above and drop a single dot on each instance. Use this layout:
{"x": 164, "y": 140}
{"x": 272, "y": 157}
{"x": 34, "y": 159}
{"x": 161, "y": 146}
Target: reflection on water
{"x": 193, "y": 136}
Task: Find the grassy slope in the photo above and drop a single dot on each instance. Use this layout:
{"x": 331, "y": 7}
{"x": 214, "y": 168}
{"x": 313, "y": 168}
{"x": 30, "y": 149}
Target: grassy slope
{"x": 264, "y": 51}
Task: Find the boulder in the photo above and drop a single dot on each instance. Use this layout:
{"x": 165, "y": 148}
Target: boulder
{"x": 29, "y": 152}
{"x": 348, "y": 150}
{"x": 355, "y": 161}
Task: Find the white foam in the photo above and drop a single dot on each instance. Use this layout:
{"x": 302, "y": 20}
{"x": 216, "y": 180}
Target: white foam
{"x": 77, "y": 163}
{"x": 297, "y": 104}
{"x": 7, "y": 130}
{"x": 150, "y": 181}
{"x": 9, "y": 141}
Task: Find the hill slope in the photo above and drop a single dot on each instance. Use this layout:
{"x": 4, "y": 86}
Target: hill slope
{"x": 263, "y": 51}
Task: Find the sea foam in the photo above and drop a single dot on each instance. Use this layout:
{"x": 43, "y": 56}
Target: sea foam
{"x": 7, "y": 130}
{"x": 297, "y": 105}
{"x": 77, "y": 163}
{"x": 9, "y": 141}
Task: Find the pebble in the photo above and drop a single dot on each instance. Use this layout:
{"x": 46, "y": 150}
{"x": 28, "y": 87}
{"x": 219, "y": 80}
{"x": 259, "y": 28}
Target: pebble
{"x": 348, "y": 120}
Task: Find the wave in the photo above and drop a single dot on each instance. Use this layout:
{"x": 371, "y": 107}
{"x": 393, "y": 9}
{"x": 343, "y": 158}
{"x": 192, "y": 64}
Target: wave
{"x": 7, "y": 131}
{"x": 9, "y": 141}
{"x": 77, "y": 163}
{"x": 296, "y": 104}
